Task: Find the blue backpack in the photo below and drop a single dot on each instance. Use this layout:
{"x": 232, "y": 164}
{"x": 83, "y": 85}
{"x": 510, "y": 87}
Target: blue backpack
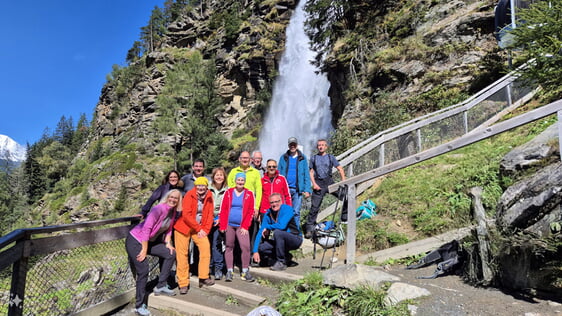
{"x": 366, "y": 210}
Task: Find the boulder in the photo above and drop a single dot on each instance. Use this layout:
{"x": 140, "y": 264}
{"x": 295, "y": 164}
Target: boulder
{"x": 352, "y": 276}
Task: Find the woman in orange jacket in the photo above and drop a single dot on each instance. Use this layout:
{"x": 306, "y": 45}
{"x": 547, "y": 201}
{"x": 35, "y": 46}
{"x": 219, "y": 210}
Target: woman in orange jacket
{"x": 195, "y": 223}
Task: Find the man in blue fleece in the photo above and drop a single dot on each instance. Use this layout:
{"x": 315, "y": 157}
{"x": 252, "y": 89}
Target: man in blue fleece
{"x": 280, "y": 231}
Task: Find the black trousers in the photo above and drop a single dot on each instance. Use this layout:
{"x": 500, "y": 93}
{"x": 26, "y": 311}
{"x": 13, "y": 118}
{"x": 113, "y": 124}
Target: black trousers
{"x": 279, "y": 246}
{"x": 154, "y": 249}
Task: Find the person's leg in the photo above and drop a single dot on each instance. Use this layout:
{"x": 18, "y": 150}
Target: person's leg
{"x": 267, "y": 250}
{"x": 217, "y": 256}
{"x": 296, "y": 199}
{"x": 316, "y": 201}
{"x": 168, "y": 258}
{"x": 285, "y": 241}
{"x": 182, "y": 260}
{"x": 244, "y": 242}
{"x": 230, "y": 239}
{"x": 204, "y": 255}
{"x": 133, "y": 249}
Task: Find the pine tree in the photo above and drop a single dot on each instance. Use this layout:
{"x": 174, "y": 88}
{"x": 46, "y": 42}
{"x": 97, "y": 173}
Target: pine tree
{"x": 539, "y": 37}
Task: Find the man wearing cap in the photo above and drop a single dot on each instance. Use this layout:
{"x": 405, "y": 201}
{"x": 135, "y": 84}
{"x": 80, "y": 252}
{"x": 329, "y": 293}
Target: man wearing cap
{"x": 253, "y": 179}
{"x": 195, "y": 223}
{"x": 294, "y": 166}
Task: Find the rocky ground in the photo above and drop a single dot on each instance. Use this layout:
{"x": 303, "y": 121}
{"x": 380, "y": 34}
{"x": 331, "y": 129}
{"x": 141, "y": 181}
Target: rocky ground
{"x": 450, "y": 295}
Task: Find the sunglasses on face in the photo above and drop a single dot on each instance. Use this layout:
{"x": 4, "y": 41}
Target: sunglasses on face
{"x": 272, "y": 167}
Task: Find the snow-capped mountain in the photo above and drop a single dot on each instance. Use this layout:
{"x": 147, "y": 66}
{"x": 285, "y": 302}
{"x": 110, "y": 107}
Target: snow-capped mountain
{"x": 10, "y": 150}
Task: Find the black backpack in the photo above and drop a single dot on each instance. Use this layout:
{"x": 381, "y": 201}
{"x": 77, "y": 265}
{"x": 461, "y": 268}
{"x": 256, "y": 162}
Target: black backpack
{"x": 448, "y": 258}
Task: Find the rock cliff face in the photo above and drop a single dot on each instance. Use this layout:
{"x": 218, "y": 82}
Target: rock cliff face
{"x": 447, "y": 46}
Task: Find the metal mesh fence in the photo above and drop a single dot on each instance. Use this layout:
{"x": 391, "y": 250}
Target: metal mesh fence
{"x": 5, "y": 280}
{"x": 452, "y": 124}
{"x": 68, "y": 281}
{"x": 71, "y": 280}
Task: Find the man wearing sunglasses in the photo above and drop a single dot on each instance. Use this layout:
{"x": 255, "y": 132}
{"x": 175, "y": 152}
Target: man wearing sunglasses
{"x": 280, "y": 233}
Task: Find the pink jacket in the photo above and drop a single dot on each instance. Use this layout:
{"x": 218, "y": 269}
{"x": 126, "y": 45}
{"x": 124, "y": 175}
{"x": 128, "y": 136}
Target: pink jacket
{"x": 147, "y": 229}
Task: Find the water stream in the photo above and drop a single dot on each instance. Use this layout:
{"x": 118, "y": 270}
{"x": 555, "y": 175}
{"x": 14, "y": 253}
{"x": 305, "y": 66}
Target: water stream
{"x": 300, "y": 105}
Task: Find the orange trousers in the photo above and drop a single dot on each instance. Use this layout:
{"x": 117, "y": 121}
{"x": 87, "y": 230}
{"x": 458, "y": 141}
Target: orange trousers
{"x": 182, "y": 256}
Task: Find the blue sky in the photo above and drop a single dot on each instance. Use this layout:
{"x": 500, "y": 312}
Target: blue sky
{"x": 56, "y": 55}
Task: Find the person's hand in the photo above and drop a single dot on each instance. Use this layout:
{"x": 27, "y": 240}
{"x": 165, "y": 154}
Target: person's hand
{"x": 316, "y": 187}
{"x": 169, "y": 246}
{"x": 256, "y": 213}
{"x": 243, "y": 232}
{"x": 201, "y": 234}
{"x": 216, "y": 222}
{"x": 257, "y": 257}
{"x": 141, "y": 256}
{"x": 139, "y": 215}
{"x": 265, "y": 233}
{"x": 306, "y": 194}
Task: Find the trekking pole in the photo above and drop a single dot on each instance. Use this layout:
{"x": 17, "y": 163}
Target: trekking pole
{"x": 342, "y": 190}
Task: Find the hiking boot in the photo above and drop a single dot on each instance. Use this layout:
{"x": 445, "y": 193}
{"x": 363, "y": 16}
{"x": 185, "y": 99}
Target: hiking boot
{"x": 207, "y": 282}
{"x": 278, "y": 266}
{"x": 228, "y": 277}
{"x": 184, "y": 290}
{"x": 246, "y": 276}
{"x": 163, "y": 291}
{"x": 143, "y": 311}
{"x": 218, "y": 275}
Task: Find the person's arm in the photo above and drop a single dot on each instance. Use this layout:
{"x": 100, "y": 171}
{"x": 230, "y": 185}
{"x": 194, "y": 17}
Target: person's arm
{"x": 285, "y": 191}
{"x": 257, "y": 190}
{"x": 231, "y": 181}
{"x": 342, "y": 173}
{"x": 189, "y": 212}
{"x": 247, "y": 210}
{"x": 284, "y": 217}
{"x": 155, "y": 196}
{"x": 336, "y": 163}
{"x": 307, "y": 184}
{"x": 314, "y": 185}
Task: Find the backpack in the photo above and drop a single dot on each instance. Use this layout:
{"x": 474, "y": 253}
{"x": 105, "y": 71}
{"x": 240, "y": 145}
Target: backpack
{"x": 327, "y": 235}
{"x": 447, "y": 257}
{"x": 366, "y": 210}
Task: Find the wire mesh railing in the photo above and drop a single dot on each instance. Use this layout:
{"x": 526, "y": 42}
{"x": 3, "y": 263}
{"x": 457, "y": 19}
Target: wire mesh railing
{"x": 63, "y": 270}
{"x": 428, "y": 131}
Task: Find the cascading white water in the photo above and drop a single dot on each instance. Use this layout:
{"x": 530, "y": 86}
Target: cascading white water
{"x": 300, "y": 106}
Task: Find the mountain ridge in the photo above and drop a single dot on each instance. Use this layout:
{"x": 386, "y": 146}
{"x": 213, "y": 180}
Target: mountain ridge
{"x": 10, "y": 150}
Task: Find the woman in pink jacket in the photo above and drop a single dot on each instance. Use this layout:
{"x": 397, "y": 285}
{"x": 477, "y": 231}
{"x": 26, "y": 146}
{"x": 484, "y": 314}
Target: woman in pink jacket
{"x": 235, "y": 218}
{"x": 153, "y": 237}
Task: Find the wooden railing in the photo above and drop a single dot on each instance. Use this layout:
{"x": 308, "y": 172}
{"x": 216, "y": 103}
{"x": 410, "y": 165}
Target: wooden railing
{"x": 469, "y": 138}
{"x": 45, "y": 261}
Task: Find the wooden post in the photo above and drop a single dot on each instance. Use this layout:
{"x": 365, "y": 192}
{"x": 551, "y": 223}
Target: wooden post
{"x": 482, "y": 234}
{"x": 351, "y": 225}
{"x": 19, "y": 275}
{"x": 560, "y": 133}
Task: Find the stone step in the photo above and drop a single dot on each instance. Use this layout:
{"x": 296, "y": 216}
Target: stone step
{"x": 224, "y": 298}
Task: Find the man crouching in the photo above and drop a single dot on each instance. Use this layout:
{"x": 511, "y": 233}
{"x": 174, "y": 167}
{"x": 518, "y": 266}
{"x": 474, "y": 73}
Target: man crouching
{"x": 281, "y": 234}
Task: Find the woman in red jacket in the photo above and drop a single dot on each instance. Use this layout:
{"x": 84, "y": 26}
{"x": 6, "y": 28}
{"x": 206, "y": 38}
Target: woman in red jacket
{"x": 195, "y": 223}
{"x": 235, "y": 218}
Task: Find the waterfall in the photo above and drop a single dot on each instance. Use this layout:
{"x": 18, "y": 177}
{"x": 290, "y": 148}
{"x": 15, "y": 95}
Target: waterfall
{"x": 300, "y": 106}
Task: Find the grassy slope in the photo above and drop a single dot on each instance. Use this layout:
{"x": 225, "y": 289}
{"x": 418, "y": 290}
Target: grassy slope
{"x": 431, "y": 197}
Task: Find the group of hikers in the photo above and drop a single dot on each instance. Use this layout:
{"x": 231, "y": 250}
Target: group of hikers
{"x": 255, "y": 205}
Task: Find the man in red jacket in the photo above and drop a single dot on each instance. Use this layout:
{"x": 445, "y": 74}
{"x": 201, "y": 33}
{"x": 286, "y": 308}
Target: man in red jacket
{"x": 195, "y": 223}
